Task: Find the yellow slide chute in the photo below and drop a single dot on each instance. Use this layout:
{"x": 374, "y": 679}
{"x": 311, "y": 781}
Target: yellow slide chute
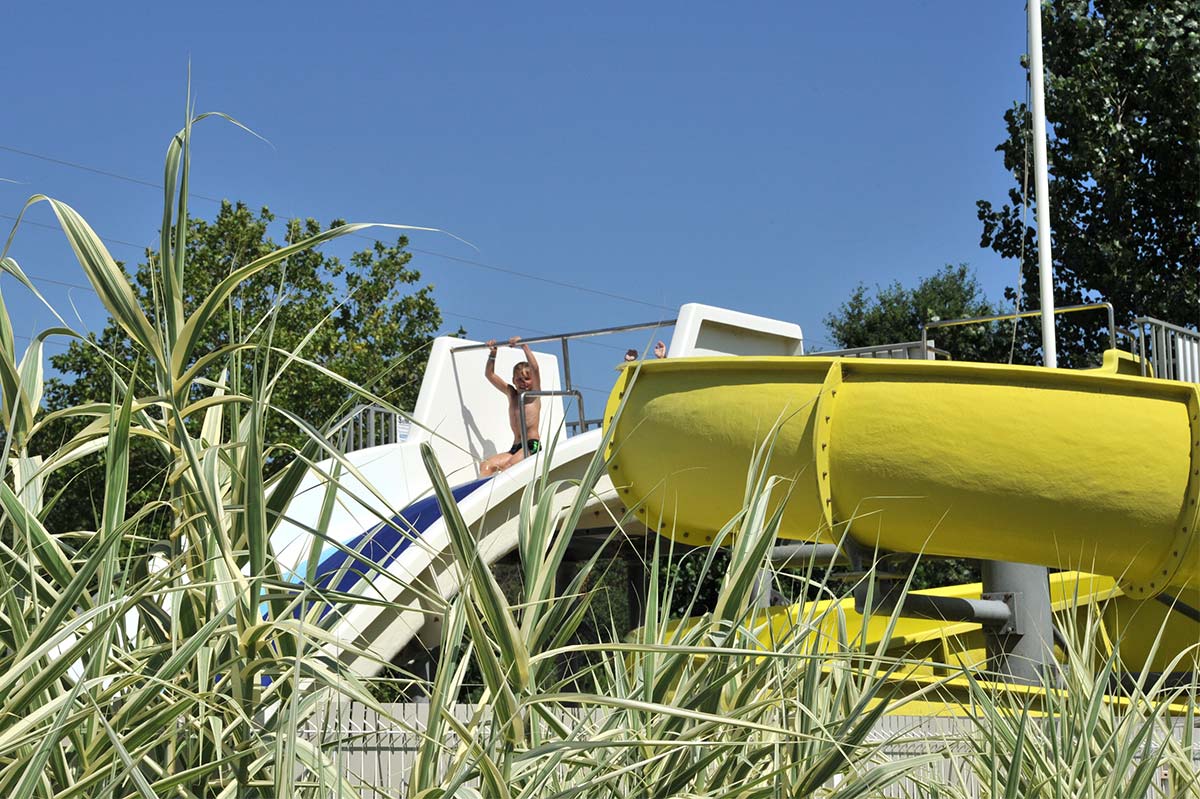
{"x": 1097, "y": 471}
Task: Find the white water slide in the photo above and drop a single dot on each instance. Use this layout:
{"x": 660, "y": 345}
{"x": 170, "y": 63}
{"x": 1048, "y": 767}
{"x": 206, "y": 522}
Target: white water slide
{"x": 391, "y": 542}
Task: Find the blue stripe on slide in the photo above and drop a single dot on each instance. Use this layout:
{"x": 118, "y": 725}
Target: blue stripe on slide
{"x": 378, "y": 547}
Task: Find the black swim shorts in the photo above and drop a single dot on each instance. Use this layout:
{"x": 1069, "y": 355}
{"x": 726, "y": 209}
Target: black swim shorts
{"x": 532, "y": 447}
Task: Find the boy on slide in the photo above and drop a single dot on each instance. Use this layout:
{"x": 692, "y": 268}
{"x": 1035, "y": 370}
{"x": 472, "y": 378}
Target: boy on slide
{"x": 525, "y": 378}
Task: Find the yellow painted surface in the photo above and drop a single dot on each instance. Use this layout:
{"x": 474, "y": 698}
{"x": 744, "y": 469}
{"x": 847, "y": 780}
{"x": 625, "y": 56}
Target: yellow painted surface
{"x": 832, "y": 625}
{"x": 940, "y": 650}
{"x": 1097, "y": 470}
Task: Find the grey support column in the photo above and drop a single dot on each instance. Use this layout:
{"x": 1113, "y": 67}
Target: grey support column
{"x": 1022, "y": 650}
{"x": 764, "y": 590}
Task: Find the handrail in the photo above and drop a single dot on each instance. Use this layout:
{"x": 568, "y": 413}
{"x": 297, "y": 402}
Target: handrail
{"x": 588, "y": 424}
{"x": 974, "y": 320}
{"x": 1150, "y": 320}
{"x": 578, "y": 395}
{"x": 600, "y": 331}
{"x": 569, "y": 389}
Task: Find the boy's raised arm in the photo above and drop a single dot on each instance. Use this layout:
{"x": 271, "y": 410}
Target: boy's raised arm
{"x": 532, "y": 359}
{"x": 489, "y": 371}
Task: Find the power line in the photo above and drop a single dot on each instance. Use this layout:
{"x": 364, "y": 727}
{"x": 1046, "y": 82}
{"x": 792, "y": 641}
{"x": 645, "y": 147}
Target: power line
{"x": 95, "y": 171}
{"x": 44, "y": 343}
{"x": 105, "y": 239}
{"x": 551, "y": 281}
{"x": 507, "y": 325}
{"x": 446, "y": 312}
{"x": 480, "y": 264}
{"x": 432, "y": 253}
{"x": 454, "y": 258}
{"x": 41, "y": 279}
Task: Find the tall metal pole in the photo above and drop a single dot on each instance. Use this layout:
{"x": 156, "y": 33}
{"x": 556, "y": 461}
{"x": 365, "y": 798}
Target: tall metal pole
{"x": 1042, "y": 181}
{"x": 1023, "y": 649}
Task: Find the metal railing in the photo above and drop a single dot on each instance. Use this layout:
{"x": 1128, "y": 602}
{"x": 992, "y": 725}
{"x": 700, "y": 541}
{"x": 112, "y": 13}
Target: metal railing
{"x": 563, "y": 339}
{"x": 1168, "y": 351}
{"x": 905, "y": 350}
{"x": 979, "y": 320}
{"x": 369, "y": 426}
{"x": 372, "y": 426}
{"x": 576, "y": 427}
{"x": 1171, "y": 351}
{"x": 578, "y": 395}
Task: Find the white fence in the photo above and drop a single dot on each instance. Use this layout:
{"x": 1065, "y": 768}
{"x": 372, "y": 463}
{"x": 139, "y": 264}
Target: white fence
{"x": 369, "y": 426}
{"x": 376, "y": 753}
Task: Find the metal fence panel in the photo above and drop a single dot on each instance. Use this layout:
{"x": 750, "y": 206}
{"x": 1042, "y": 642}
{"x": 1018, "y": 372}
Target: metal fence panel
{"x": 369, "y": 426}
{"x": 377, "y": 752}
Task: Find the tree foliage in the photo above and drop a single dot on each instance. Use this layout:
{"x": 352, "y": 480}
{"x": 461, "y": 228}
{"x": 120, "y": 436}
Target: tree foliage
{"x": 894, "y": 314}
{"x": 360, "y": 317}
{"x": 1123, "y": 105}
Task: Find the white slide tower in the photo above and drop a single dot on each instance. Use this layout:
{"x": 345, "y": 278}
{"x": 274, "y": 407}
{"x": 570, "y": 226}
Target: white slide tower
{"x": 383, "y": 511}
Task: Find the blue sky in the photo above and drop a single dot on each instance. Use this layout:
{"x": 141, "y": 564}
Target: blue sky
{"x": 767, "y": 157}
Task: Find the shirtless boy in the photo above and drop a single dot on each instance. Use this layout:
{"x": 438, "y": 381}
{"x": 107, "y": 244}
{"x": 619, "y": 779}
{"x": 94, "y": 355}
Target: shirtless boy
{"x": 525, "y": 378}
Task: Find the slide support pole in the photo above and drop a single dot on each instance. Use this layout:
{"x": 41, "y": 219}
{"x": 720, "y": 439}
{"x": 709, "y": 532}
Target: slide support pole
{"x": 1021, "y": 651}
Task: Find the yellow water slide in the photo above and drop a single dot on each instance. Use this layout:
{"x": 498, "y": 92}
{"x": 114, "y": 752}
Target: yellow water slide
{"x": 1097, "y": 471}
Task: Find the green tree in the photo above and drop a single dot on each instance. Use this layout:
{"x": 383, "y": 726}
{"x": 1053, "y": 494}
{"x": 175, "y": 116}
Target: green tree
{"x": 894, "y": 314}
{"x": 365, "y": 325}
{"x": 1123, "y": 106}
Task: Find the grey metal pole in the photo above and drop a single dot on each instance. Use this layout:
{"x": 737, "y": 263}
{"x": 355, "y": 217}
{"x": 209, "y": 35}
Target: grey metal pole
{"x": 764, "y": 589}
{"x": 567, "y": 367}
{"x": 603, "y": 331}
{"x": 800, "y": 555}
{"x": 987, "y": 612}
{"x": 1023, "y": 650}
